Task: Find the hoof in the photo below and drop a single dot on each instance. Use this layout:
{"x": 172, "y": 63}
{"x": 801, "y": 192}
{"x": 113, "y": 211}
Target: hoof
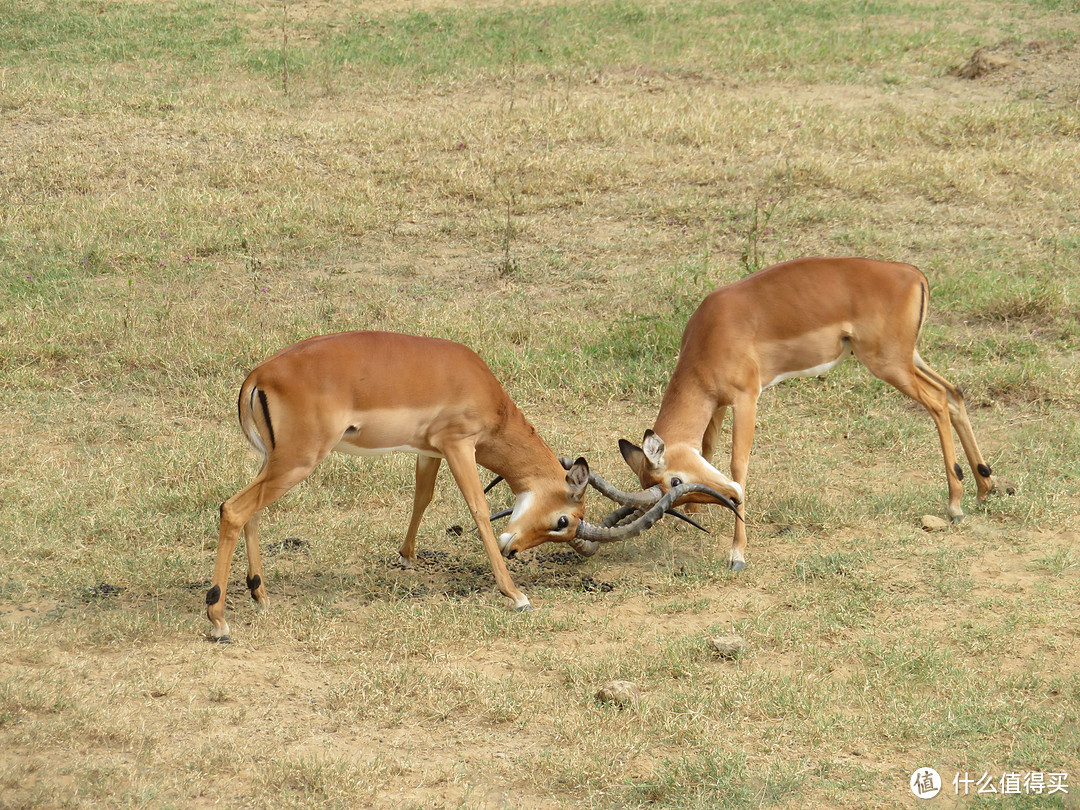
{"x": 526, "y": 608}
{"x": 736, "y": 565}
{"x": 957, "y": 518}
{"x": 219, "y": 639}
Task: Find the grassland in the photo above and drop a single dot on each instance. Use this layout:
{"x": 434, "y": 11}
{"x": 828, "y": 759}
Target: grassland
{"x": 186, "y": 187}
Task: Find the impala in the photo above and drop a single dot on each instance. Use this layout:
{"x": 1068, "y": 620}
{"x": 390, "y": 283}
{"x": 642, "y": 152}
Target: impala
{"x": 799, "y": 318}
{"x": 371, "y": 393}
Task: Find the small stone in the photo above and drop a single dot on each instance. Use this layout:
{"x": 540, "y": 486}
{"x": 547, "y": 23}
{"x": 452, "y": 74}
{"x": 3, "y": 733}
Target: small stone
{"x": 932, "y": 523}
{"x": 623, "y": 694}
{"x": 728, "y": 646}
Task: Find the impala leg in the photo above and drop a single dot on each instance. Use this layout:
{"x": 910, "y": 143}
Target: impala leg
{"x": 708, "y": 446}
{"x": 236, "y": 514}
{"x": 742, "y": 439}
{"x": 462, "y": 463}
{"x": 254, "y": 576}
{"x": 712, "y": 433}
{"x": 959, "y": 418}
{"x": 427, "y": 468}
{"x": 928, "y": 392}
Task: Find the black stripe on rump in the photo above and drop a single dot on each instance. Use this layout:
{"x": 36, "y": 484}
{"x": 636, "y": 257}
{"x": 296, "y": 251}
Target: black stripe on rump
{"x": 266, "y": 415}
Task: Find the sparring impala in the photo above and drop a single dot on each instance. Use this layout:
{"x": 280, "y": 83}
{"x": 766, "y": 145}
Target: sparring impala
{"x": 371, "y": 393}
{"x": 795, "y": 319}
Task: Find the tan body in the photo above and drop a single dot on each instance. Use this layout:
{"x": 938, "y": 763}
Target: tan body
{"x": 372, "y": 393}
{"x": 793, "y": 319}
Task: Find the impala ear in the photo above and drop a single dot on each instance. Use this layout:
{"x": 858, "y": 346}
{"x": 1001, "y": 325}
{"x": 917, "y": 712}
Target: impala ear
{"x": 646, "y": 461}
{"x": 653, "y": 447}
{"x": 577, "y": 480}
{"x": 633, "y": 456}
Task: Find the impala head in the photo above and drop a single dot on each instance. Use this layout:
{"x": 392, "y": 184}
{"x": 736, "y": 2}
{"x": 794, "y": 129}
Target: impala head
{"x": 548, "y": 512}
{"x": 655, "y": 464}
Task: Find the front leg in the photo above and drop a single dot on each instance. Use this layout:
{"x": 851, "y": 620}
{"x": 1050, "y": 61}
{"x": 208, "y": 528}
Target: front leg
{"x": 742, "y": 439}
{"x": 708, "y": 446}
{"x": 462, "y": 462}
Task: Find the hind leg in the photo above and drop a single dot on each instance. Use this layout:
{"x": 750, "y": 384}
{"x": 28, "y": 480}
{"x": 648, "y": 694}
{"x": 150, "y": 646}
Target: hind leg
{"x": 237, "y": 514}
{"x": 984, "y": 480}
{"x": 255, "y": 583}
{"x": 427, "y": 469}
{"x": 929, "y": 393}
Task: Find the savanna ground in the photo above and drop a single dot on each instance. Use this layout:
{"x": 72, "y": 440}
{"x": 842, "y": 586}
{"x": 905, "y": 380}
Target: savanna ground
{"x": 186, "y": 187}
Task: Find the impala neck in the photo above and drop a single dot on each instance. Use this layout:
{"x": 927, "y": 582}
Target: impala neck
{"x": 515, "y": 451}
{"x": 685, "y": 411}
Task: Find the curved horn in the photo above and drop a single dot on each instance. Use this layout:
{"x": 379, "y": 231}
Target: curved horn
{"x": 643, "y": 499}
{"x": 648, "y": 518}
{"x": 688, "y": 519}
{"x": 586, "y": 548}
{"x": 495, "y": 516}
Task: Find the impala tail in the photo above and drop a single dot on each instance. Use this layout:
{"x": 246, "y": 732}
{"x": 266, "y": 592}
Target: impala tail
{"x": 251, "y": 398}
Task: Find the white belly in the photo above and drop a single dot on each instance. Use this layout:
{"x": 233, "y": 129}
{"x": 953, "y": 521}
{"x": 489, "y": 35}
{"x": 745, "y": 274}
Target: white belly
{"x": 353, "y": 450}
{"x": 813, "y": 371}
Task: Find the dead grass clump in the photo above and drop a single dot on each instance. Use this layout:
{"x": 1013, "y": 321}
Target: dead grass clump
{"x": 982, "y": 62}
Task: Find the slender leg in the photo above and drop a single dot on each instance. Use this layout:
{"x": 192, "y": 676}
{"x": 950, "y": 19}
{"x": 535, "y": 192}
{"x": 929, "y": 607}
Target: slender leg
{"x": 958, "y": 416}
{"x": 932, "y": 395}
{"x": 712, "y": 433}
{"x": 427, "y": 468}
{"x": 462, "y": 462}
{"x": 742, "y": 439}
{"x": 236, "y": 513}
{"x": 708, "y": 447}
{"x": 254, "y": 576}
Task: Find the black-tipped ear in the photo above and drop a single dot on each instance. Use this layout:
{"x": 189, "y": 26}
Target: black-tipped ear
{"x": 577, "y": 479}
{"x": 634, "y": 457}
{"x": 629, "y": 451}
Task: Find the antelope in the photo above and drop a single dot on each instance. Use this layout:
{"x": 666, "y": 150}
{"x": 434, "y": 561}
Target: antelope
{"x": 799, "y": 318}
{"x": 372, "y": 393}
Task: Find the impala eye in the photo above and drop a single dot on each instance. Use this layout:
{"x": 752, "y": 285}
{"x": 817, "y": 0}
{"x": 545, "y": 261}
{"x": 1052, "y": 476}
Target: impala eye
{"x": 676, "y": 482}
{"x": 563, "y": 522}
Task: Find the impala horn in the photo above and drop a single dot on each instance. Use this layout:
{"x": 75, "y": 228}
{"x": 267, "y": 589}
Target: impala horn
{"x": 643, "y": 499}
{"x": 630, "y": 521}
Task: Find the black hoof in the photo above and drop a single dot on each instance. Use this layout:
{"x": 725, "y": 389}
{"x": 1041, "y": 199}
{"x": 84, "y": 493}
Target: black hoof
{"x": 524, "y": 609}
{"x": 222, "y": 640}
{"x": 736, "y": 566}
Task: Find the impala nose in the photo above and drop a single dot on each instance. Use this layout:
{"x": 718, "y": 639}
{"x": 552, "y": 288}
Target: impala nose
{"x": 505, "y": 539}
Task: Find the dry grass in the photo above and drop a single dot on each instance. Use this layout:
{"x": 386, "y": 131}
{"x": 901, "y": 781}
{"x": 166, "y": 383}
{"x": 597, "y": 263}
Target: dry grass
{"x": 556, "y": 184}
